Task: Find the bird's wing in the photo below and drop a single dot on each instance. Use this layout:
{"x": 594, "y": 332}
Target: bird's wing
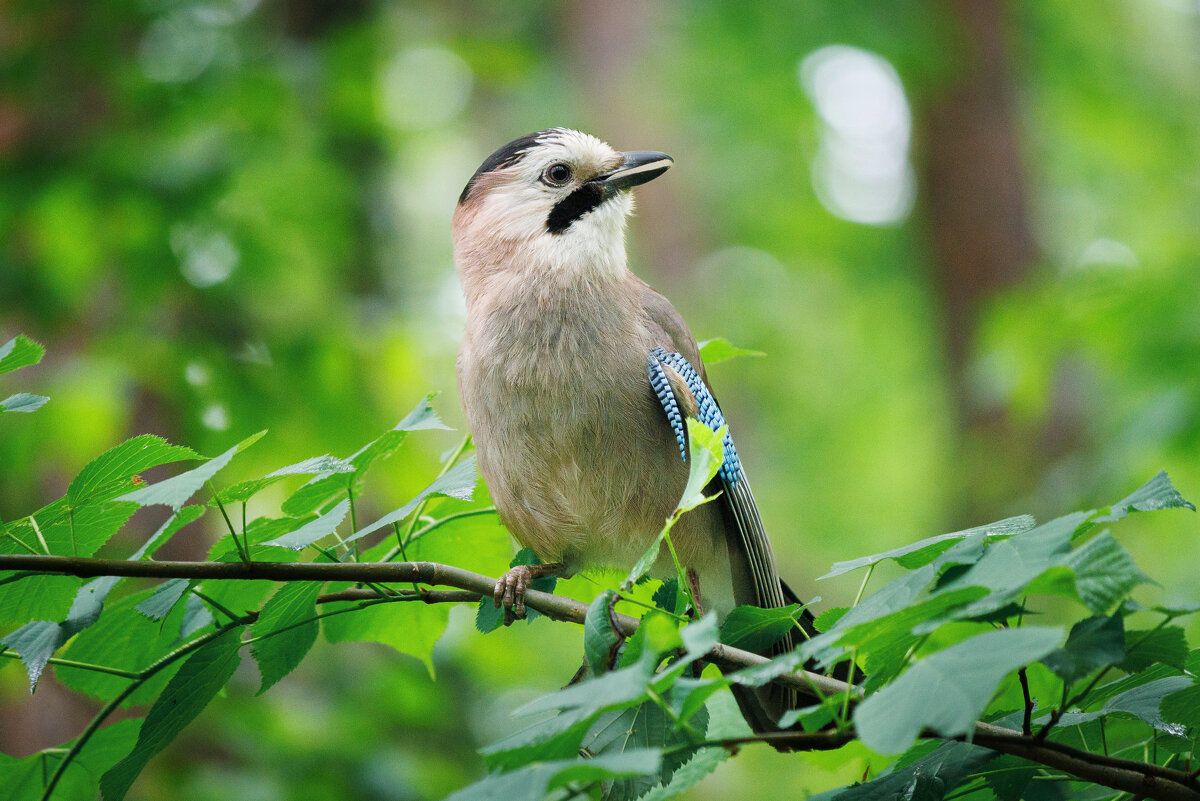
{"x": 679, "y": 382}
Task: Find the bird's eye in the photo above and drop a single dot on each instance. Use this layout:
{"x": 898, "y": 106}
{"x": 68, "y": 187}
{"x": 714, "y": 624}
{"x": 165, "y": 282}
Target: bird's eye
{"x": 558, "y": 174}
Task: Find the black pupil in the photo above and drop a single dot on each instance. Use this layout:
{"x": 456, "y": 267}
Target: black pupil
{"x": 559, "y": 173}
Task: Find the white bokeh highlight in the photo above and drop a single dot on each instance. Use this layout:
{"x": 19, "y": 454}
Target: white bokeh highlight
{"x": 861, "y": 171}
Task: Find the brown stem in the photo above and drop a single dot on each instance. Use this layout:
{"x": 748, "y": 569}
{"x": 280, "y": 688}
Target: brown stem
{"x": 1150, "y": 780}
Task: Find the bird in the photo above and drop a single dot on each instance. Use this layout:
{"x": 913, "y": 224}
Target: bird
{"x": 573, "y": 374}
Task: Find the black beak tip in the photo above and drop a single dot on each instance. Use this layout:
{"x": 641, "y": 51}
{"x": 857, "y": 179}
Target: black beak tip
{"x": 638, "y": 167}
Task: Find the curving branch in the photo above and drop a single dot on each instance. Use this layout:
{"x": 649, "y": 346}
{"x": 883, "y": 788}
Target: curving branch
{"x": 1139, "y": 778}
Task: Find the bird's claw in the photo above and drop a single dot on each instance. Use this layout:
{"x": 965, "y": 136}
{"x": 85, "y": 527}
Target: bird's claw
{"x": 509, "y": 592}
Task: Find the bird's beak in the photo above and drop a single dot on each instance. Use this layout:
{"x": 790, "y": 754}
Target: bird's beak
{"x": 637, "y": 167}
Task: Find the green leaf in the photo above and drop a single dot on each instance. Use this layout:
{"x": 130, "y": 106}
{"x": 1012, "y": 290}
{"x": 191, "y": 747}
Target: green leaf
{"x": 1093, "y": 643}
{"x": 410, "y": 628}
{"x": 926, "y": 779}
{"x": 23, "y": 402}
{"x": 925, "y": 551}
{"x": 599, "y": 640}
{"x": 829, "y": 618}
{"x": 163, "y": 599}
{"x": 1166, "y": 646}
{"x": 1104, "y": 572}
{"x": 125, "y": 639}
{"x": 18, "y": 352}
{"x": 754, "y": 629}
{"x": 639, "y": 728}
{"x": 457, "y": 482}
{"x": 319, "y": 466}
{"x": 1143, "y": 702}
{"x": 73, "y": 532}
{"x": 1182, "y": 706}
{"x": 313, "y": 530}
{"x": 706, "y": 452}
{"x": 720, "y": 349}
{"x": 321, "y": 489}
{"x": 478, "y": 542}
{"x": 197, "y": 682}
{"x": 174, "y": 523}
{"x": 289, "y": 612}
{"x": 1157, "y": 493}
{"x": 110, "y": 473}
{"x": 37, "y": 641}
{"x": 1114, "y": 688}
{"x": 422, "y": 417}
{"x": 36, "y": 597}
{"x": 533, "y": 782}
{"x": 946, "y": 691}
{"x": 176, "y": 491}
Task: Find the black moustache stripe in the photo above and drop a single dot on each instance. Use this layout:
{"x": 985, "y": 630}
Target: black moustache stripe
{"x": 574, "y": 206}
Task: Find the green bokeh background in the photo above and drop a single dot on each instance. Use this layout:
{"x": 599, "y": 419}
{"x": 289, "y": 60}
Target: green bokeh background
{"x": 229, "y": 215}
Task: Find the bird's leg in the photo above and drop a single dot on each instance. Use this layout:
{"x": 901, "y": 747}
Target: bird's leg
{"x": 693, "y": 581}
{"x": 510, "y": 588}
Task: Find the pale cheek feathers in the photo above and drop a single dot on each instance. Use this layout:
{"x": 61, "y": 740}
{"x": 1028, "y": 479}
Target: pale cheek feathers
{"x": 595, "y": 243}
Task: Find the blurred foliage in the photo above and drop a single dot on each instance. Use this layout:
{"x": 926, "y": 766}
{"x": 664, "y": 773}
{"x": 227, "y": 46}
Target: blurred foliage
{"x": 224, "y": 216}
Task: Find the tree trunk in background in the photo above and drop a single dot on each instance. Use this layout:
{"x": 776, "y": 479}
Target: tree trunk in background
{"x": 974, "y": 185}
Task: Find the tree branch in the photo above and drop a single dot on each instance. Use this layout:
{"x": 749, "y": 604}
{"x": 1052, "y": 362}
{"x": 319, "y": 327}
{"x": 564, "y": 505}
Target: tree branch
{"x": 1146, "y": 779}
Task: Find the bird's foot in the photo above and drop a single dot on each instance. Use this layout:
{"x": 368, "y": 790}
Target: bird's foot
{"x": 510, "y": 588}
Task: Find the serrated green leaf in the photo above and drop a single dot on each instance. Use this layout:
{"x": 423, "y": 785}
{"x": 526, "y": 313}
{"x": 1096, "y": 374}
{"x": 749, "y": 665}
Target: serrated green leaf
{"x": 1093, "y": 643}
{"x": 829, "y": 618}
{"x": 176, "y": 491}
{"x": 162, "y": 536}
{"x": 926, "y": 550}
{"x": 947, "y": 690}
{"x": 706, "y": 452}
{"x": 930, "y": 777}
{"x": 125, "y": 639}
{"x": 642, "y": 727}
{"x": 720, "y": 349}
{"x": 1157, "y": 493}
{"x": 163, "y": 599}
{"x": 24, "y": 779}
{"x": 290, "y": 613}
{"x": 752, "y": 628}
{"x": 1166, "y": 646}
{"x": 599, "y": 640}
{"x": 478, "y": 542}
{"x": 533, "y": 782}
{"x": 410, "y": 628}
{"x": 37, "y": 641}
{"x": 457, "y": 482}
{"x": 112, "y": 472}
{"x": 321, "y": 489}
{"x": 319, "y": 466}
{"x": 1182, "y": 707}
{"x": 314, "y": 530}
{"x": 1104, "y": 572}
{"x": 422, "y": 417}
{"x": 203, "y": 674}
{"x": 666, "y": 596}
{"x": 18, "y": 352}
{"x": 36, "y": 597}
{"x": 1143, "y": 702}
{"x": 23, "y": 402}
{"x": 73, "y": 532}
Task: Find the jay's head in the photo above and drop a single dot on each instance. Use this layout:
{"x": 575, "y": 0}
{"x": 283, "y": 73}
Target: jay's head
{"x": 556, "y": 199}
